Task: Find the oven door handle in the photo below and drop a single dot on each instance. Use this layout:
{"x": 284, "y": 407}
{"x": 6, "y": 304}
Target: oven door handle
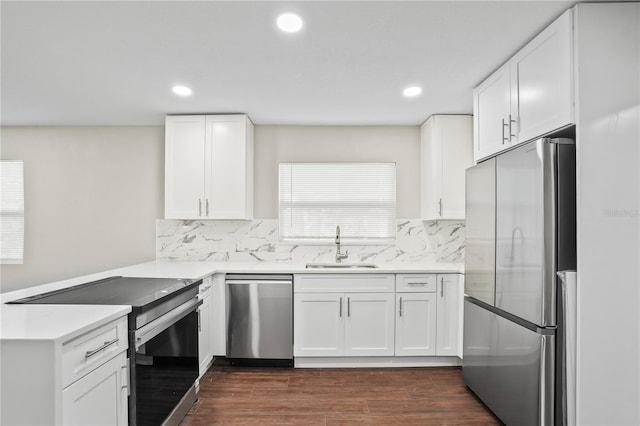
{"x": 160, "y": 324}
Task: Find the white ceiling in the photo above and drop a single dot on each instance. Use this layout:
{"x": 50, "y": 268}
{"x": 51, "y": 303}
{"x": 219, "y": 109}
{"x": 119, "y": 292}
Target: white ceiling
{"x": 114, "y": 62}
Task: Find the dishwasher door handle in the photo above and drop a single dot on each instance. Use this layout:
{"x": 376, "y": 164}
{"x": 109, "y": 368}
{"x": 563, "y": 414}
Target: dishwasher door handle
{"x": 234, "y": 282}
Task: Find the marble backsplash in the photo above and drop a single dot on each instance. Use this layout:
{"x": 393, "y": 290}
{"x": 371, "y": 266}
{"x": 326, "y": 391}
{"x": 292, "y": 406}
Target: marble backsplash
{"x": 257, "y": 240}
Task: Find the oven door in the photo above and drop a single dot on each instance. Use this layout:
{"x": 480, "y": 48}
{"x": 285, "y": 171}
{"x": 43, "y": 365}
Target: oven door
{"x": 165, "y": 370}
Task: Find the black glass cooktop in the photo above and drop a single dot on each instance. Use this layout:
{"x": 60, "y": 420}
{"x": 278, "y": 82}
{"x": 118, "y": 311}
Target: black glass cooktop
{"x": 137, "y": 292}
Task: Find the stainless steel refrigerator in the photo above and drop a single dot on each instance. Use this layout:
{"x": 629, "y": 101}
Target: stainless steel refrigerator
{"x": 521, "y": 223}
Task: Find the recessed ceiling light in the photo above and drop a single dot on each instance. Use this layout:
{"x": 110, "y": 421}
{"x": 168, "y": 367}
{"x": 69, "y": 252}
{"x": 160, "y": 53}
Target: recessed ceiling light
{"x": 289, "y": 22}
{"x": 181, "y": 90}
{"x": 412, "y": 91}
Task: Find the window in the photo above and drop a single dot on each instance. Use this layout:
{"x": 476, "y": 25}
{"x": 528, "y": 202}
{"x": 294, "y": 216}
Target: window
{"x": 11, "y": 212}
{"x": 358, "y": 197}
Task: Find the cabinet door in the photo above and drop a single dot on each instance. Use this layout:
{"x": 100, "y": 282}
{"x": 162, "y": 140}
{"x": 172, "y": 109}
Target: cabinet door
{"x": 100, "y": 397}
{"x": 447, "y": 151}
{"x": 416, "y": 324}
{"x": 448, "y": 315}
{"x": 229, "y": 172}
{"x": 491, "y": 109}
{"x": 318, "y": 324}
{"x": 184, "y": 167}
{"x": 204, "y": 332}
{"x": 218, "y": 315}
{"x": 431, "y": 169}
{"x": 541, "y": 81}
{"x": 457, "y": 156}
{"x": 369, "y": 324}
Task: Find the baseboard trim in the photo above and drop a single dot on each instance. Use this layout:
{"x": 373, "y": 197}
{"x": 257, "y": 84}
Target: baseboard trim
{"x": 382, "y": 362}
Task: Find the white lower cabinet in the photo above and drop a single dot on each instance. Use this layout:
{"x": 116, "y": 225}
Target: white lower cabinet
{"x": 205, "y": 349}
{"x": 416, "y": 324}
{"x": 416, "y": 314}
{"x": 449, "y": 324}
{"x": 369, "y": 324}
{"x": 100, "y": 397}
{"x": 356, "y": 322}
{"x": 218, "y": 315}
{"x": 318, "y": 324}
{"x": 343, "y": 324}
{"x": 378, "y": 315}
{"x": 48, "y": 379}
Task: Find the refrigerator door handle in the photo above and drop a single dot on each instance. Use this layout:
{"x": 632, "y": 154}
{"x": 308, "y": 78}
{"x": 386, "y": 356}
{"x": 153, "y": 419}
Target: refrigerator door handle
{"x": 568, "y": 281}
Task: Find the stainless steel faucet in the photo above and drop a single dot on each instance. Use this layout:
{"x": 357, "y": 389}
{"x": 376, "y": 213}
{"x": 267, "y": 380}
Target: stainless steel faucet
{"x": 340, "y": 256}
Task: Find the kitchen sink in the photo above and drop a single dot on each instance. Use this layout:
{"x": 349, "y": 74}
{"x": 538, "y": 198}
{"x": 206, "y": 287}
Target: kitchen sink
{"x": 341, "y": 265}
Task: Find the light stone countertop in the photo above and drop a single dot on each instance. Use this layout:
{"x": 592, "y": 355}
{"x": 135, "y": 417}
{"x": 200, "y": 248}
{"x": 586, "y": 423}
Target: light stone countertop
{"x": 199, "y": 270}
{"x": 54, "y": 322}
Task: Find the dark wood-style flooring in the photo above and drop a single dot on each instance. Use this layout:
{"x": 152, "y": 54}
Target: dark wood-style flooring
{"x": 389, "y": 396}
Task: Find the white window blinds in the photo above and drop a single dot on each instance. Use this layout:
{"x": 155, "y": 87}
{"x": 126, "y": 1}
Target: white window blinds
{"x": 317, "y": 197}
{"x": 11, "y": 212}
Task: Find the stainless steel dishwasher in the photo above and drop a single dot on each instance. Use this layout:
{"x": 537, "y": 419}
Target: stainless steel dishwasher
{"x": 260, "y": 318}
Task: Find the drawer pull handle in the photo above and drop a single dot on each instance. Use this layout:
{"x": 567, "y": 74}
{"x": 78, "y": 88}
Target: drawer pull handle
{"x": 89, "y": 354}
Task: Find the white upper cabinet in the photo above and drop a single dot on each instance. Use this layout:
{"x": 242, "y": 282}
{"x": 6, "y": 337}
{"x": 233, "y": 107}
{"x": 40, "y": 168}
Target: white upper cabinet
{"x": 541, "y": 84}
{"x": 184, "y": 166}
{"x": 491, "y": 110}
{"x": 529, "y": 96}
{"x": 447, "y": 143}
{"x": 208, "y": 167}
{"x": 229, "y": 171}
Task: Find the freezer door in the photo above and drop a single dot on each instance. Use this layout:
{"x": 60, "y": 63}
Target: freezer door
{"x": 479, "y": 262}
{"x": 509, "y": 367}
{"x": 525, "y": 233}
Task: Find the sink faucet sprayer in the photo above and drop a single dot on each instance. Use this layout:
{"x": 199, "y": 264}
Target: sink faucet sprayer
{"x": 340, "y": 256}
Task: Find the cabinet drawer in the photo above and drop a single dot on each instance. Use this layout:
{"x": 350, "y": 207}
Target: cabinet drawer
{"x": 416, "y": 283}
{"x": 338, "y": 283}
{"x": 89, "y": 351}
{"x": 205, "y": 288}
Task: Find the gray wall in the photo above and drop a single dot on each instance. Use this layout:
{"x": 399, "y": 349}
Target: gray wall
{"x": 393, "y": 144}
{"x": 92, "y": 195}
